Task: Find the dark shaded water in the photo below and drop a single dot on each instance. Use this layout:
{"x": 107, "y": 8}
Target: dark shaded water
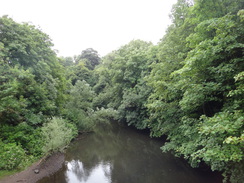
{"x": 117, "y": 154}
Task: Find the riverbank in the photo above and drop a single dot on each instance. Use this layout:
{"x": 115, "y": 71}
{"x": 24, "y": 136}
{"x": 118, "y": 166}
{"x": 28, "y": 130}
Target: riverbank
{"x": 45, "y": 168}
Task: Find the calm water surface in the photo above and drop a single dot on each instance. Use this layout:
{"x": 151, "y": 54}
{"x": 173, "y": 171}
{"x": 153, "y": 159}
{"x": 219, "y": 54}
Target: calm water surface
{"x": 117, "y": 154}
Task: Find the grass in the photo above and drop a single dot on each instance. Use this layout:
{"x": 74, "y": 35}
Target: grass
{"x": 4, "y": 173}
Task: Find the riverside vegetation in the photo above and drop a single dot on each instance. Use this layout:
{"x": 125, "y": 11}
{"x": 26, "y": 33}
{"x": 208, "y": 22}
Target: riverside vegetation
{"x": 189, "y": 87}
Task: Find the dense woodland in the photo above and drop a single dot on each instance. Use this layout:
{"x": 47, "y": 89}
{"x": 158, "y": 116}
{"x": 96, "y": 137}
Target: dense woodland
{"x": 189, "y": 87}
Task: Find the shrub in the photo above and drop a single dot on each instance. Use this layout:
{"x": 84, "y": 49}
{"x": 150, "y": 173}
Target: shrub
{"x": 57, "y": 134}
{"x": 104, "y": 115}
{"x": 11, "y": 155}
{"x": 25, "y": 135}
{"x": 78, "y": 109}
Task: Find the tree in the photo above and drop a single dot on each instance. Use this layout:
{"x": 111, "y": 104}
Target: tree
{"x": 79, "y": 106}
{"x": 121, "y": 82}
{"x": 66, "y": 61}
{"x": 32, "y": 71}
{"x": 80, "y": 72}
{"x": 163, "y": 102}
{"x": 198, "y": 67}
{"x": 90, "y": 57}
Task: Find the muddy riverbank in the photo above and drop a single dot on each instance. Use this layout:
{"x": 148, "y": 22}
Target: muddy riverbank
{"x": 44, "y": 168}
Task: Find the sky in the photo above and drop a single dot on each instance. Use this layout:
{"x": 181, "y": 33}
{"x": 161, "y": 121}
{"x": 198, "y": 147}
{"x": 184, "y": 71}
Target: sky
{"x": 104, "y": 25}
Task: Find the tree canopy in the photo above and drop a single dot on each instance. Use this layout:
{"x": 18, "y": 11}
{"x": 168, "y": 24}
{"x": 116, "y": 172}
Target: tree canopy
{"x": 189, "y": 88}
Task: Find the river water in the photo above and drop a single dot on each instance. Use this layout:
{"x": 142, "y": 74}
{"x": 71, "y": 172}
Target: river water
{"x": 118, "y": 154}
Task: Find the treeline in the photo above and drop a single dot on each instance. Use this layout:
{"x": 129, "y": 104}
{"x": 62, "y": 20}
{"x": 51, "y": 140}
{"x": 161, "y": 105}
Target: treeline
{"x": 45, "y": 101}
{"x": 189, "y": 87}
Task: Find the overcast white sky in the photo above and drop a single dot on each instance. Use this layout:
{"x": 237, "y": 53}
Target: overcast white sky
{"x": 103, "y": 25}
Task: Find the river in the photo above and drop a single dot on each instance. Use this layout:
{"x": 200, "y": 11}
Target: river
{"x": 119, "y": 154}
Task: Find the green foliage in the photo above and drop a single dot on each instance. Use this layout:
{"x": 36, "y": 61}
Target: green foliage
{"x": 80, "y": 72}
{"x": 104, "y": 115}
{"x": 207, "y": 9}
{"x": 12, "y": 104}
{"x": 79, "y": 106}
{"x": 11, "y": 156}
{"x": 66, "y": 61}
{"x": 90, "y": 57}
{"x": 197, "y": 81}
{"x": 189, "y": 87}
{"x": 27, "y": 136}
{"x": 121, "y": 83}
{"x": 32, "y": 89}
{"x": 57, "y": 134}
{"x": 32, "y": 83}
{"x": 22, "y": 98}
{"x": 224, "y": 136}
{"x": 20, "y": 47}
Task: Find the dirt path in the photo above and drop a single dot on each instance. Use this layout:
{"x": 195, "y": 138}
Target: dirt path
{"x": 45, "y": 168}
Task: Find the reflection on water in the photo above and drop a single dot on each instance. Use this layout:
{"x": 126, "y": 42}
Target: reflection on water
{"x": 76, "y": 173}
{"x": 116, "y": 154}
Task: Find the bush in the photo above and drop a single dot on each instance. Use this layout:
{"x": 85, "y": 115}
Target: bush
{"x": 57, "y": 134}
{"x": 11, "y": 155}
{"x": 24, "y": 134}
{"x": 104, "y": 115}
{"x": 78, "y": 109}
{"x": 80, "y": 118}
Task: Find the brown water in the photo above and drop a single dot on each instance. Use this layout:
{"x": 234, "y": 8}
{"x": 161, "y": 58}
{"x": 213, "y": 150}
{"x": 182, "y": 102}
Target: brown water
{"x": 118, "y": 154}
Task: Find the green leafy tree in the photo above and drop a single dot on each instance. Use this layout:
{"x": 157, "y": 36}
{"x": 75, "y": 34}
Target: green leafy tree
{"x": 79, "y": 106}
{"x": 90, "y": 57}
{"x": 31, "y": 75}
{"x": 197, "y": 86}
{"x": 163, "y": 102}
{"x": 121, "y": 83}
{"x": 80, "y": 72}
{"x": 32, "y": 89}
